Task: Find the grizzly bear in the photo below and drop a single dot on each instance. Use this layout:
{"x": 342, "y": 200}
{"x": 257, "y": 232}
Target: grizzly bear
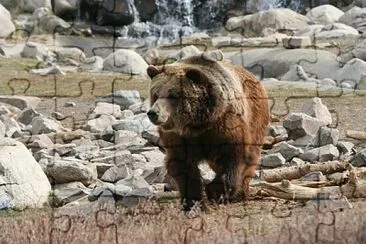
{"x": 207, "y": 109}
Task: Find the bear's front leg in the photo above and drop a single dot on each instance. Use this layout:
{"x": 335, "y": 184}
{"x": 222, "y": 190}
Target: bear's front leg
{"x": 188, "y": 178}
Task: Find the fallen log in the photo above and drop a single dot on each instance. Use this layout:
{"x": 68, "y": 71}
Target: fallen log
{"x": 355, "y": 188}
{"x": 355, "y": 134}
{"x": 296, "y": 172}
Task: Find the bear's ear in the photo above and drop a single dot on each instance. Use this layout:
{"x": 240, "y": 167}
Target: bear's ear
{"x": 194, "y": 75}
{"x": 153, "y": 71}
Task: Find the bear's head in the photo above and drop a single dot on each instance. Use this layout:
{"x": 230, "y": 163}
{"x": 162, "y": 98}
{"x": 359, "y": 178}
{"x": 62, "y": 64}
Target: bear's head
{"x": 188, "y": 96}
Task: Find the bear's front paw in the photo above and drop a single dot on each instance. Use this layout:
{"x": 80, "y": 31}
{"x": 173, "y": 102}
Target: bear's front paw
{"x": 217, "y": 192}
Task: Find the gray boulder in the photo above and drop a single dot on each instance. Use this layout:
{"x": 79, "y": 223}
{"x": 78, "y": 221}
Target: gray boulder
{"x": 355, "y": 17}
{"x": 22, "y": 181}
{"x": 277, "y": 62}
{"x": 275, "y": 18}
{"x": 324, "y": 14}
{"x": 69, "y": 192}
{"x": 345, "y": 147}
{"x": 300, "y": 124}
{"x": 287, "y": 151}
{"x": 7, "y": 26}
{"x": 326, "y": 136}
{"x": 359, "y": 160}
{"x": 27, "y": 115}
{"x": 123, "y": 98}
{"x": 273, "y": 160}
{"x": 127, "y": 62}
{"x": 116, "y": 173}
{"x": 103, "y": 108}
{"x": 41, "y": 125}
{"x": 321, "y": 154}
{"x": 316, "y": 109}
{"x": 100, "y": 124}
{"x": 31, "y": 5}
{"x": 65, "y": 171}
{"x": 20, "y": 102}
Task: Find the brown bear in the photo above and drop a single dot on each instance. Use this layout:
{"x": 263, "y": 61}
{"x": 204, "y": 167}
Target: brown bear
{"x": 207, "y": 109}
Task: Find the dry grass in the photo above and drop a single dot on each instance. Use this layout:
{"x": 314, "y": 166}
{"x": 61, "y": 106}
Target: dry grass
{"x": 254, "y": 222}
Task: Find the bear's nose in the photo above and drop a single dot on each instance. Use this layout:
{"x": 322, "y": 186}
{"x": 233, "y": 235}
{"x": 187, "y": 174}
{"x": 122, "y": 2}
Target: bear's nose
{"x": 153, "y": 115}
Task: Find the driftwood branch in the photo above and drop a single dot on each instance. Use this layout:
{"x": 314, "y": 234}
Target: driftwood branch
{"x": 296, "y": 172}
{"x": 355, "y": 188}
{"x": 355, "y": 134}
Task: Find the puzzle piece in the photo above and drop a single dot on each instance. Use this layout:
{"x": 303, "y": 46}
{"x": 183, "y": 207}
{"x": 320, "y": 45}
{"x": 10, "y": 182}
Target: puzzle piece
{"x": 281, "y": 105}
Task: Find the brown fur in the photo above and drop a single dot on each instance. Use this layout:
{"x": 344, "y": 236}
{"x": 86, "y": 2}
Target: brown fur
{"x": 214, "y": 111}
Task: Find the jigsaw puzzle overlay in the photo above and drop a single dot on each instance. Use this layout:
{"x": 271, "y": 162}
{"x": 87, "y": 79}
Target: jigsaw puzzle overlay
{"x": 74, "y": 103}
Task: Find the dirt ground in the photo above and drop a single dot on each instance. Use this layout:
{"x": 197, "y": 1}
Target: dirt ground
{"x": 264, "y": 220}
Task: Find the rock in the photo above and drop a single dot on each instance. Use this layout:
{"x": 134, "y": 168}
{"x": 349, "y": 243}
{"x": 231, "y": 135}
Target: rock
{"x": 98, "y": 125}
{"x": 2, "y": 130}
{"x": 337, "y": 30}
{"x": 116, "y": 13}
{"x": 127, "y": 62}
{"x": 64, "y": 149}
{"x": 273, "y": 160}
{"x": 278, "y": 62}
{"x": 12, "y": 128}
{"x": 324, "y": 14}
{"x": 352, "y": 72}
{"x": 138, "y": 123}
{"x": 64, "y": 54}
{"x": 321, "y": 154}
{"x": 36, "y": 51}
{"x": 287, "y": 151}
{"x": 297, "y": 162}
{"x": 300, "y": 124}
{"x": 126, "y": 114}
{"x": 152, "y": 136}
{"x": 116, "y": 173}
{"x": 275, "y": 18}
{"x": 52, "y": 24}
{"x": 98, "y": 191}
{"x": 7, "y": 26}
{"x": 314, "y": 176}
{"x": 65, "y": 171}
{"x": 138, "y": 108}
{"x": 296, "y": 42}
{"x": 27, "y": 115}
{"x": 92, "y": 64}
{"x": 276, "y": 130}
{"x": 154, "y": 157}
{"x": 128, "y": 138}
{"x": 69, "y": 192}
{"x": 328, "y": 82}
{"x": 355, "y": 17}
{"x": 326, "y": 136}
{"x": 103, "y": 108}
{"x": 122, "y": 97}
{"x": 31, "y": 5}
{"x": 316, "y": 109}
{"x": 20, "y": 102}
{"x": 155, "y": 175}
{"x": 118, "y": 158}
{"x": 345, "y": 147}
{"x": 138, "y": 184}
{"x": 22, "y": 181}
{"x": 40, "y": 142}
{"x": 187, "y": 51}
{"x": 43, "y": 125}
{"x": 53, "y": 70}
{"x": 359, "y": 160}
{"x": 66, "y": 7}
{"x": 207, "y": 173}
{"x": 309, "y": 30}
{"x": 69, "y": 104}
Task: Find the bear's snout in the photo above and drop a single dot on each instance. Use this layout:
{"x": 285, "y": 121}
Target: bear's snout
{"x": 153, "y": 115}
